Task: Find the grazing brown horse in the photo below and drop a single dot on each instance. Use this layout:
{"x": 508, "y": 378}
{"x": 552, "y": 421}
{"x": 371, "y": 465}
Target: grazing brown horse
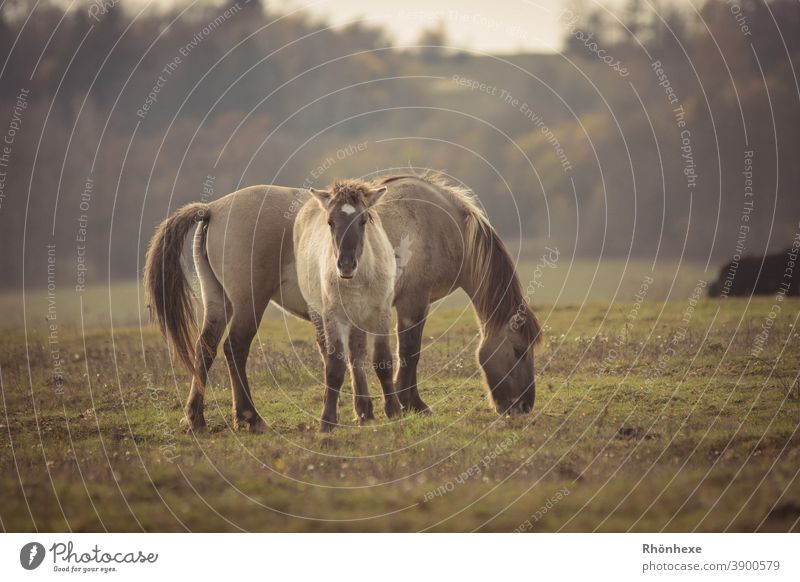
{"x": 244, "y": 257}
{"x": 346, "y": 269}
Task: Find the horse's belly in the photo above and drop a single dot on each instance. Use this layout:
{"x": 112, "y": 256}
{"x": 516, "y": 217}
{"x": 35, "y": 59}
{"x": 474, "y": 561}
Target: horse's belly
{"x": 289, "y": 296}
{"x": 311, "y": 294}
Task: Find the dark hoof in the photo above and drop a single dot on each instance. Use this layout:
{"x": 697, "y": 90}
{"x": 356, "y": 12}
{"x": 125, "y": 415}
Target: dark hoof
{"x": 257, "y": 425}
{"x": 248, "y": 420}
{"x": 193, "y": 425}
{"x": 393, "y": 408}
{"x": 419, "y": 408}
{"x": 364, "y": 410}
{"x": 326, "y": 426}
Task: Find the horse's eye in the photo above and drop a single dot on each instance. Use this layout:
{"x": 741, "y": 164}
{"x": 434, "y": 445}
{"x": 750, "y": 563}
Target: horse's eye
{"x": 330, "y": 223}
{"x": 519, "y": 353}
{"x": 363, "y": 221}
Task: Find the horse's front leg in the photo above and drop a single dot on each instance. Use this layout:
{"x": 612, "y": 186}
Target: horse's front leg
{"x": 362, "y": 403}
{"x": 335, "y": 368}
{"x": 411, "y": 315}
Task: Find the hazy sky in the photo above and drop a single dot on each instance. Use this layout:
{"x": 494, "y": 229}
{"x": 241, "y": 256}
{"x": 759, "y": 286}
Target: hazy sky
{"x": 497, "y": 26}
{"x": 482, "y": 25}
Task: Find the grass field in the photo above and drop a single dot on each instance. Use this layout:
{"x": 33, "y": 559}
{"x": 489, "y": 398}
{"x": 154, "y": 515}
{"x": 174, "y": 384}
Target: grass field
{"x": 562, "y": 282}
{"x": 657, "y": 418}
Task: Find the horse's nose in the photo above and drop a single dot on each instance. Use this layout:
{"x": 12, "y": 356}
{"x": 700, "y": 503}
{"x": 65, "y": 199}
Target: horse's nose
{"x": 346, "y": 266}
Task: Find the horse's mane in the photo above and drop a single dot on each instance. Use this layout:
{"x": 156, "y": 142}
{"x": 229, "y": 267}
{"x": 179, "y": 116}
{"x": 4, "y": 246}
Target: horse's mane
{"x": 497, "y": 295}
{"x": 463, "y": 196}
{"x": 351, "y": 191}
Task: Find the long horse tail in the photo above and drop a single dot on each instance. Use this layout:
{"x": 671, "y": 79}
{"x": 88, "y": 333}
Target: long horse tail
{"x": 167, "y": 291}
{"x": 497, "y": 291}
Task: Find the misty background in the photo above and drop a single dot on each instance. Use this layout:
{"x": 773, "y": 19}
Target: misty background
{"x": 622, "y": 129}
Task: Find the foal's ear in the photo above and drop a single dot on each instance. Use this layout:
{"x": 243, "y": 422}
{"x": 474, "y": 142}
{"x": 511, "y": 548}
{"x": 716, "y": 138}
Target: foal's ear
{"x": 374, "y": 196}
{"x": 322, "y": 196}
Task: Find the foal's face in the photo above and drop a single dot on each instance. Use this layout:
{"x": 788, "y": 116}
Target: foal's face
{"x": 347, "y": 220}
{"x": 348, "y": 223}
{"x": 506, "y": 359}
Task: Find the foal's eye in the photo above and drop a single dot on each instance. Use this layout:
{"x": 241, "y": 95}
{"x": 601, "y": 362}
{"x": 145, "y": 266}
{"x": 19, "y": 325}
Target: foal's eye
{"x": 330, "y": 223}
{"x": 519, "y": 353}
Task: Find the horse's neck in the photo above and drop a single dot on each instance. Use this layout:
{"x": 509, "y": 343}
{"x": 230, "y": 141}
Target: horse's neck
{"x": 482, "y": 315}
{"x": 486, "y": 310}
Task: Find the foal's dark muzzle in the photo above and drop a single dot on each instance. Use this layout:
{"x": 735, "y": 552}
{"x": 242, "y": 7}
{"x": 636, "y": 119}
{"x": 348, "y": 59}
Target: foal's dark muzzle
{"x": 346, "y": 267}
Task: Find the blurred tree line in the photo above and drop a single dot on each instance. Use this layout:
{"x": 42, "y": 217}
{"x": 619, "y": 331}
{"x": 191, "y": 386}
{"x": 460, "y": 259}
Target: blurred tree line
{"x": 129, "y": 113}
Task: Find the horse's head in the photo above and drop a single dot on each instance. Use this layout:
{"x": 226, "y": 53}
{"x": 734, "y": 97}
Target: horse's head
{"x": 506, "y": 358}
{"x": 347, "y": 205}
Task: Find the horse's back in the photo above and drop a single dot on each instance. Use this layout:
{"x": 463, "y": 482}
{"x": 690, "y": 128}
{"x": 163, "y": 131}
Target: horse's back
{"x": 426, "y": 226}
{"x": 249, "y": 240}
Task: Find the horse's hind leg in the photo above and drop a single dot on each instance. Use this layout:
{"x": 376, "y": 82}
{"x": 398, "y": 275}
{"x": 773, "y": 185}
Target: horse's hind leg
{"x": 205, "y": 352}
{"x": 362, "y": 403}
{"x": 411, "y": 315}
{"x": 216, "y": 309}
{"x": 244, "y": 325}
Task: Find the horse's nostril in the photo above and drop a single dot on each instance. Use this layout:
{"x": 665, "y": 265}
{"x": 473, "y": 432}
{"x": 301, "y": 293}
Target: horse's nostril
{"x": 345, "y": 264}
{"x": 526, "y": 408}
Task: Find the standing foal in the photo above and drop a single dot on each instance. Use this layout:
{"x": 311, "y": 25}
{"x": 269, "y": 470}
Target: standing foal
{"x": 346, "y": 273}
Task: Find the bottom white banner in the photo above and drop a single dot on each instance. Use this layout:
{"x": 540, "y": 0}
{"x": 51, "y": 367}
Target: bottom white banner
{"x": 355, "y": 557}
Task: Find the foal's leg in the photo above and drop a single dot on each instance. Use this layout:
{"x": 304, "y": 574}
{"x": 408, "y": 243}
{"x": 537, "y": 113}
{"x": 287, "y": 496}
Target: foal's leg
{"x": 383, "y": 364}
{"x": 244, "y": 325}
{"x": 411, "y": 315}
{"x": 362, "y": 403}
{"x": 334, "y": 374}
{"x": 319, "y": 328}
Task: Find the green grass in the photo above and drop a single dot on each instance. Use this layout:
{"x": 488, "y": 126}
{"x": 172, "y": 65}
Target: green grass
{"x": 700, "y": 438}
